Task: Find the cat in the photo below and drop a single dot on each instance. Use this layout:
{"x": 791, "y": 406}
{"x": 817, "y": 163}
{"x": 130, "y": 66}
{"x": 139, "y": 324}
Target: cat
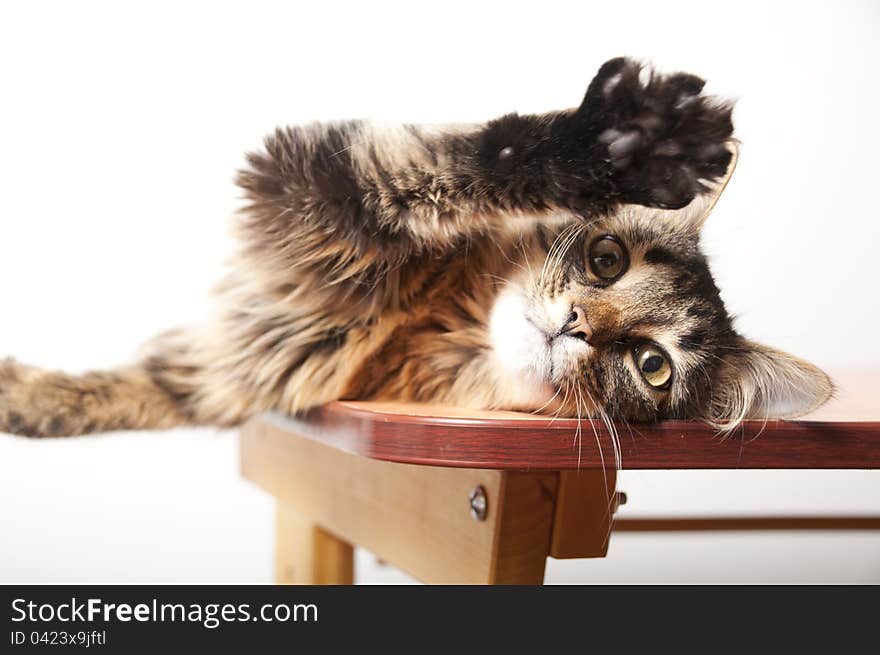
{"x": 547, "y": 263}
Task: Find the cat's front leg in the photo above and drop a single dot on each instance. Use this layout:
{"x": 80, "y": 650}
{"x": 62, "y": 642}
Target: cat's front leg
{"x": 660, "y": 137}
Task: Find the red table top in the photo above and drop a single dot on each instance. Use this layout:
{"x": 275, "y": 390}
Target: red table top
{"x": 845, "y": 434}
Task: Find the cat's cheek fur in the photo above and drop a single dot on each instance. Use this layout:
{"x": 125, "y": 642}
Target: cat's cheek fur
{"x": 567, "y": 356}
{"x": 520, "y": 351}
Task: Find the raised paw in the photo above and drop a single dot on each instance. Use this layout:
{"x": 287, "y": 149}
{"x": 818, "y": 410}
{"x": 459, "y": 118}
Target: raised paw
{"x": 663, "y": 140}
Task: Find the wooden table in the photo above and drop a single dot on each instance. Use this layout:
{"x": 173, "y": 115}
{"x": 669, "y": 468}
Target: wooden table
{"x": 456, "y": 496}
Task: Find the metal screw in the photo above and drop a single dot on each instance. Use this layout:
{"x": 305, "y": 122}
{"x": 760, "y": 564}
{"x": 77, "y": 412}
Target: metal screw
{"x": 479, "y": 503}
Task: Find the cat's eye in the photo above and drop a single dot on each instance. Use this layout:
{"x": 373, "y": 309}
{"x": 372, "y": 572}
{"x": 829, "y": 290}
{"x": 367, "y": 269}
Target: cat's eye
{"x": 608, "y": 258}
{"x": 654, "y": 365}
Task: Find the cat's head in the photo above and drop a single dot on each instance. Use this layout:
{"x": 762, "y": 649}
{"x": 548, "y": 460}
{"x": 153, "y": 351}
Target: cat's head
{"x": 624, "y": 318}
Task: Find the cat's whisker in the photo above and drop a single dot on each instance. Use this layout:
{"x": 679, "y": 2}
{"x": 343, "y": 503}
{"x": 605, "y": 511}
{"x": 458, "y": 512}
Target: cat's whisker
{"x": 562, "y": 405}
{"x": 578, "y": 431}
{"x": 503, "y": 280}
{"x": 617, "y": 456}
{"x": 563, "y": 251}
{"x": 528, "y": 262}
{"x": 555, "y": 246}
{"x": 507, "y": 258}
{"x": 545, "y": 405}
{"x": 632, "y": 437}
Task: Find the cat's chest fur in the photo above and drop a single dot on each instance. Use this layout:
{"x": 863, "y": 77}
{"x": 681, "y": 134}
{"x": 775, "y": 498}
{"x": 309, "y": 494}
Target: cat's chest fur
{"x": 450, "y": 344}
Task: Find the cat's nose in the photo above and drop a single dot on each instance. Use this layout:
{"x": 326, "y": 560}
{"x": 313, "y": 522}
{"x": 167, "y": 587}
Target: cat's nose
{"x": 577, "y": 325}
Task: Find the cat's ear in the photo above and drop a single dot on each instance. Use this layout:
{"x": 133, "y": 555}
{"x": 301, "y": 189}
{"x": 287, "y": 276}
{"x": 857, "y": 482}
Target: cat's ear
{"x": 692, "y": 216}
{"x": 758, "y": 382}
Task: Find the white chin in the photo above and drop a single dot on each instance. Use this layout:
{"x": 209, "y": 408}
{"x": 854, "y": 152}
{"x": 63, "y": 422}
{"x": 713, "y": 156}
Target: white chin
{"x": 521, "y": 350}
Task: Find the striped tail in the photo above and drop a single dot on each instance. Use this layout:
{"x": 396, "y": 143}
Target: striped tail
{"x": 163, "y": 390}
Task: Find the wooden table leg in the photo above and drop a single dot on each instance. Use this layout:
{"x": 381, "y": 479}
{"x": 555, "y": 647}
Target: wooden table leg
{"x": 419, "y": 518}
{"x": 525, "y": 519}
{"x": 585, "y": 505}
{"x": 308, "y": 554}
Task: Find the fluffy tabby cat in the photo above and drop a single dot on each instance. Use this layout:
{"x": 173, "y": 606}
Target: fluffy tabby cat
{"x": 514, "y": 264}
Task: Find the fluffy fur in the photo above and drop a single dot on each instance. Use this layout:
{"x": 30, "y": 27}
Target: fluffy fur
{"x": 442, "y": 264}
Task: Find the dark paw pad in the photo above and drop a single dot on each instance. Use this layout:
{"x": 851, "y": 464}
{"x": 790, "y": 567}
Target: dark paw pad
{"x": 663, "y": 139}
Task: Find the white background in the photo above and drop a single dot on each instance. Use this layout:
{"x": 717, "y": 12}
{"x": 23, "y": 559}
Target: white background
{"x": 120, "y": 130}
